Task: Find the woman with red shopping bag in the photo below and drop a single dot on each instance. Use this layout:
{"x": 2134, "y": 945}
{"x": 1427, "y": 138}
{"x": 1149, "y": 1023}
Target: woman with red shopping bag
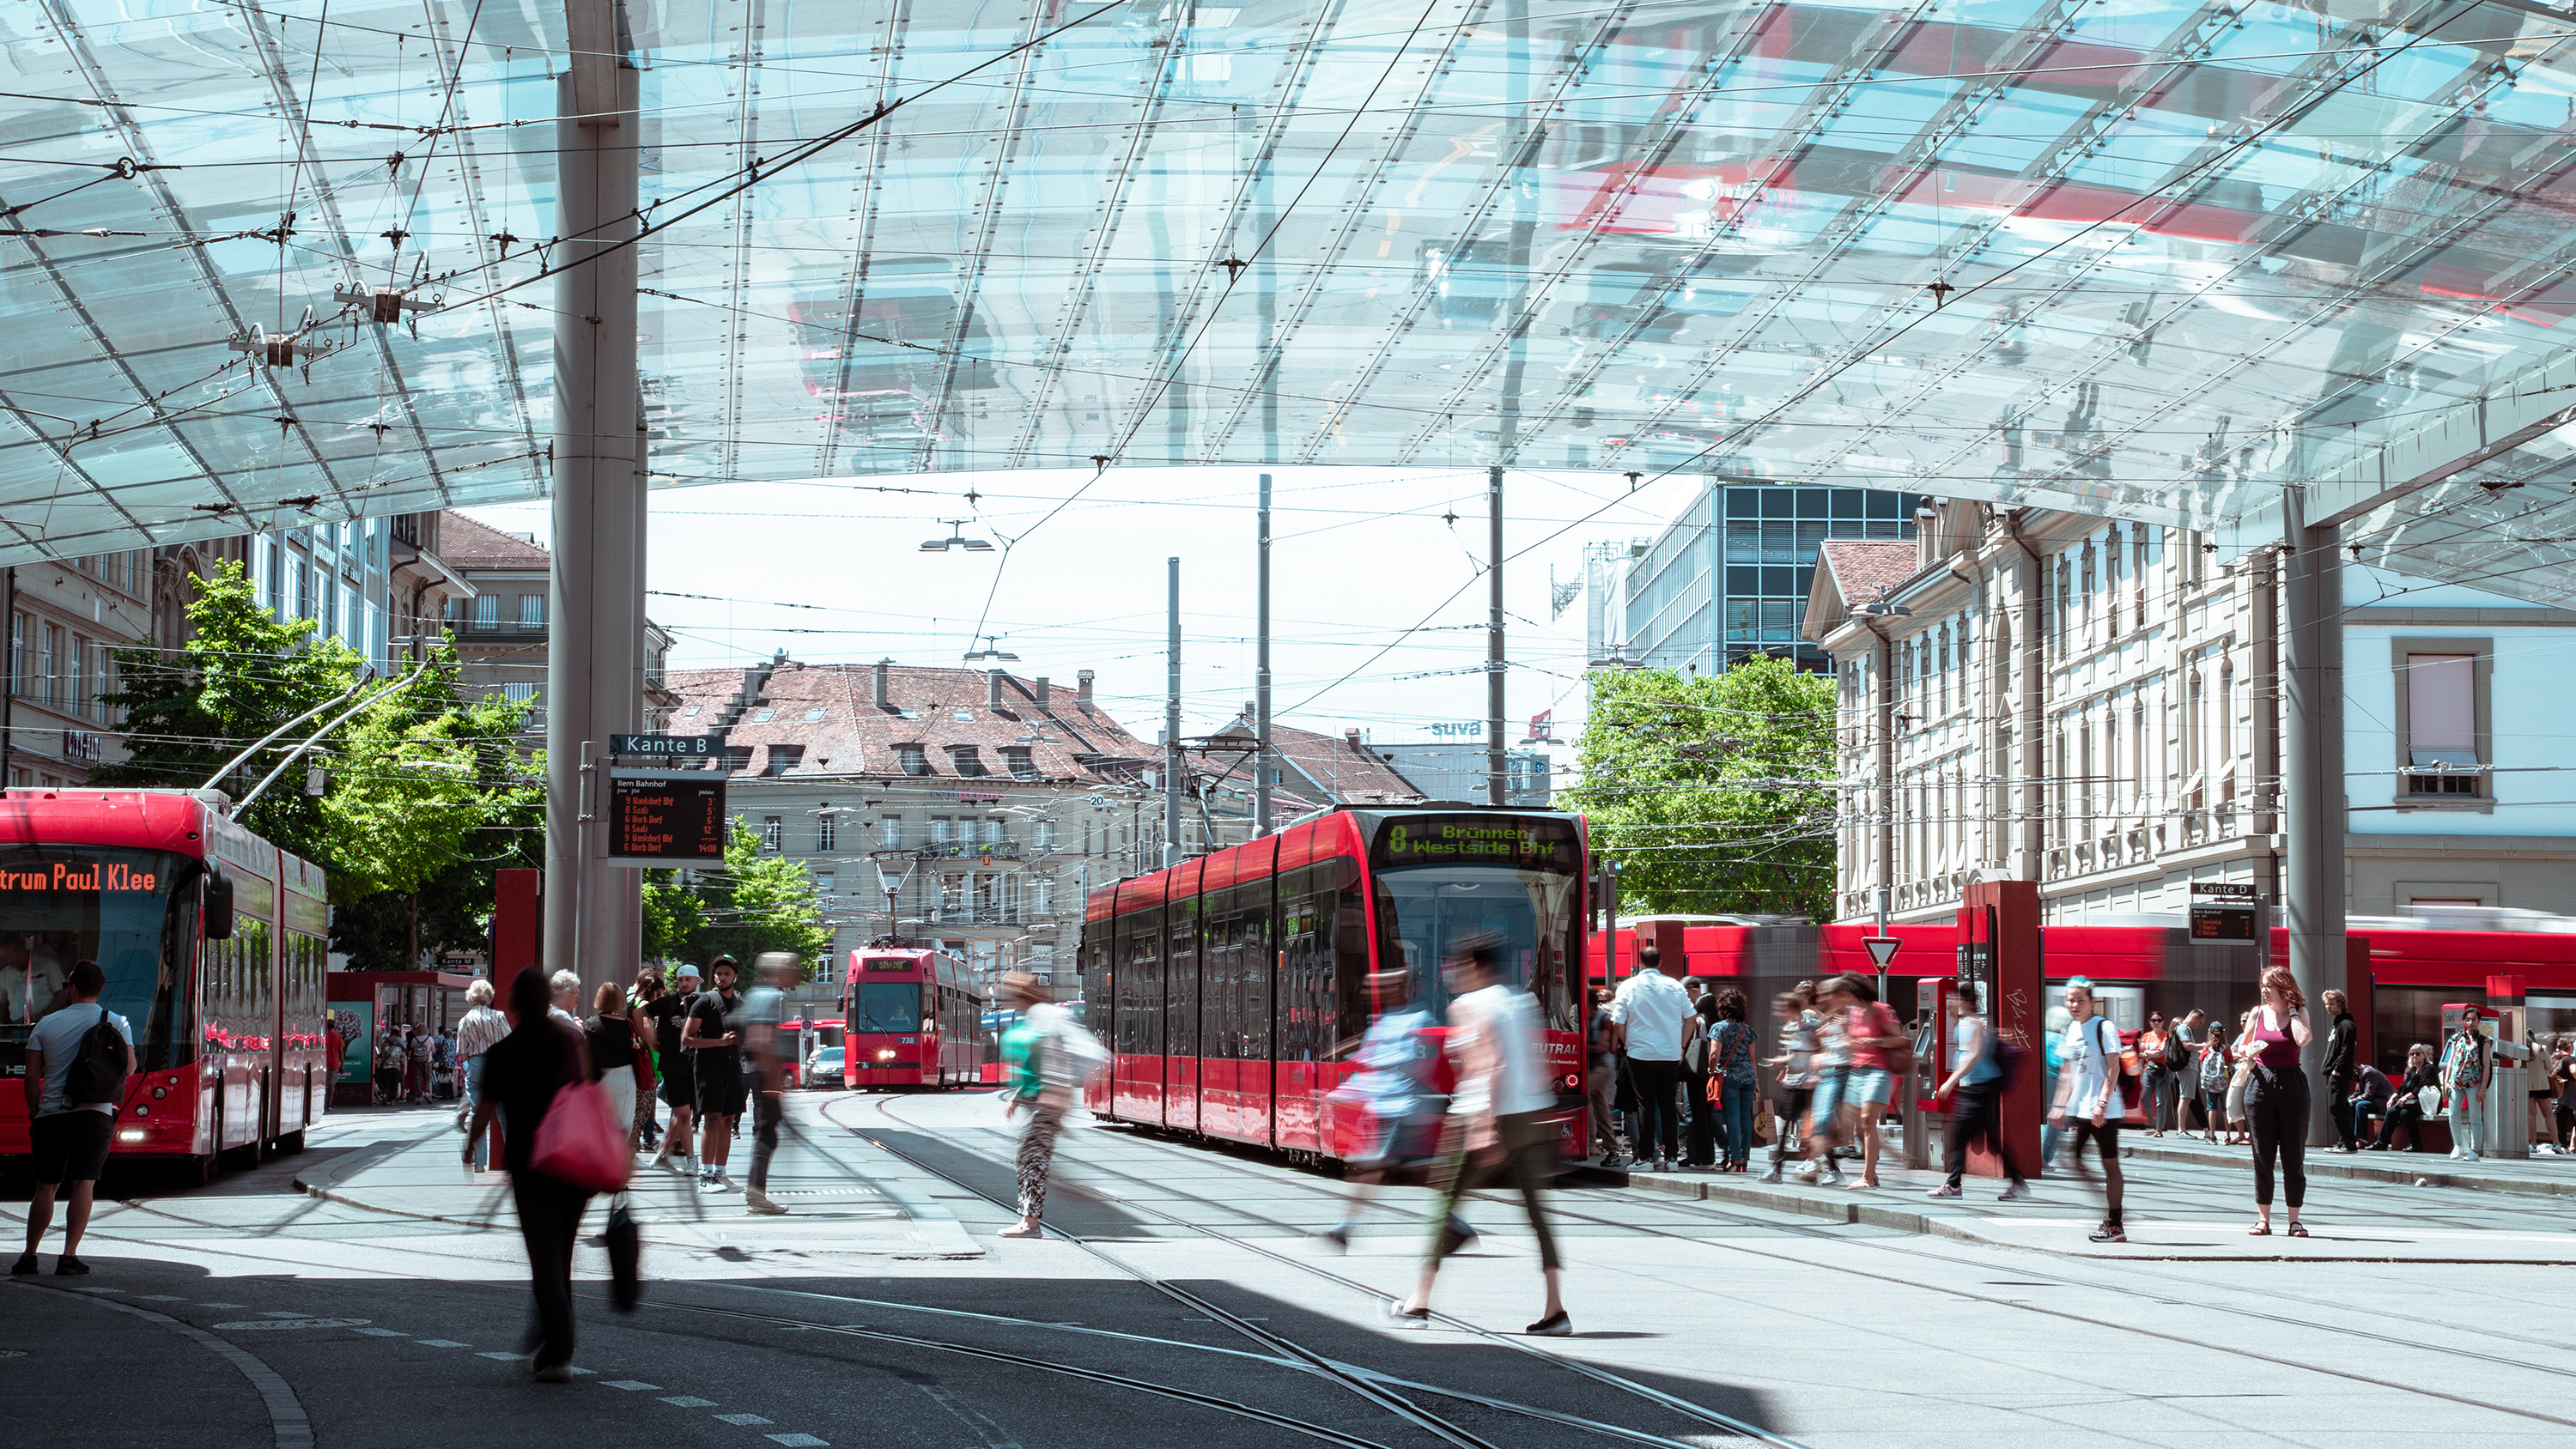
{"x": 531, "y": 1075}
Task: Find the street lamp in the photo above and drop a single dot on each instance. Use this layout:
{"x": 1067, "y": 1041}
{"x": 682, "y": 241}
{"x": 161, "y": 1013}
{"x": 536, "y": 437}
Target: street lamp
{"x": 956, "y": 538}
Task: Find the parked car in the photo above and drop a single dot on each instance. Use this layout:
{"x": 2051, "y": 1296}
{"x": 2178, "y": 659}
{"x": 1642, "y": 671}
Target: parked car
{"x": 825, "y": 1070}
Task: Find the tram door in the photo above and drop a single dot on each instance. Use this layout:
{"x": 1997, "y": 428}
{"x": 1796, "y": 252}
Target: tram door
{"x": 1181, "y": 1062}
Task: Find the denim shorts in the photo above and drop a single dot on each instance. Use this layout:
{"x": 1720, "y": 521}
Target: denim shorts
{"x": 1868, "y": 1086}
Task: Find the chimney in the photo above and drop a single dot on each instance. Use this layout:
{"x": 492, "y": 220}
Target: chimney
{"x": 1042, "y": 691}
{"x": 877, "y": 692}
{"x": 993, "y": 690}
{"x": 1351, "y": 737}
{"x": 1082, "y": 690}
{"x": 1252, "y": 711}
{"x": 1927, "y": 544}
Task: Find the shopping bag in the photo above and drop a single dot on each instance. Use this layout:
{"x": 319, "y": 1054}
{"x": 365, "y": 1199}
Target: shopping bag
{"x": 625, "y": 1259}
{"x": 581, "y": 1143}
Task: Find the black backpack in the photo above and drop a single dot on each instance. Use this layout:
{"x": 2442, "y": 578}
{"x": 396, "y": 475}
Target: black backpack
{"x": 98, "y": 1067}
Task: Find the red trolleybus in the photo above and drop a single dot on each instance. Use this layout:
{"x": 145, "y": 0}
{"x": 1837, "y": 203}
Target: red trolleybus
{"x": 910, "y": 1018}
{"x": 1231, "y": 989}
{"x": 213, "y": 941}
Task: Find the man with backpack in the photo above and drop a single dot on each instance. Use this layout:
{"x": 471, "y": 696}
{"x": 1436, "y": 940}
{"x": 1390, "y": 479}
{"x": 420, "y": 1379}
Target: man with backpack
{"x": 2089, "y": 1098}
{"x": 78, "y": 1059}
{"x": 1976, "y": 1088}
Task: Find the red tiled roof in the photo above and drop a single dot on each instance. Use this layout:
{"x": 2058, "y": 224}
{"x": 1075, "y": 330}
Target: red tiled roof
{"x": 466, "y": 544}
{"x": 1863, "y": 571}
{"x": 820, "y": 721}
{"x": 1343, "y": 769}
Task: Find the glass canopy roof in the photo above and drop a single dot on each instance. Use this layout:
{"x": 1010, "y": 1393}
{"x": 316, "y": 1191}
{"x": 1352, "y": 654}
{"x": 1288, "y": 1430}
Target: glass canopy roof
{"x": 2132, "y": 257}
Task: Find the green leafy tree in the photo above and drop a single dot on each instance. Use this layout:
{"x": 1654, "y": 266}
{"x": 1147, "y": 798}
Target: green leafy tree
{"x": 1713, "y": 794}
{"x": 756, "y": 902}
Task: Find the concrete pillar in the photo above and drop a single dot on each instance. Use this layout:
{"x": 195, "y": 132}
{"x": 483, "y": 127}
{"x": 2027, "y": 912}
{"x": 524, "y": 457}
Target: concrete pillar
{"x": 1494, "y": 759}
{"x": 594, "y": 660}
{"x": 2312, "y": 774}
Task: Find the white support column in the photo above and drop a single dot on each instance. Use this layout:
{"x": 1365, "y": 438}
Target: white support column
{"x": 2312, "y": 768}
{"x": 594, "y": 660}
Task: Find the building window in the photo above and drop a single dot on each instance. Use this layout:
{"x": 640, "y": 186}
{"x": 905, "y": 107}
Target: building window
{"x": 1043, "y": 835}
{"x": 993, "y": 830}
{"x": 532, "y": 611}
{"x": 487, "y": 612}
{"x": 1016, "y": 760}
{"x": 939, "y": 825}
{"x": 17, "y": 654}
{"x": 45, "y": 661}
{"x": 772, "y": 831}
{"x": 967, "y": 760}
{"x": 823, "y": 882}
{"x": 914, "y": 759}
{"x": 2441, "y": 698}
{"x": 890, "y": 832}
{"x": 520, "y": 693}
{"x": 823, "y": 829}
{"x": 1042, "y": 896}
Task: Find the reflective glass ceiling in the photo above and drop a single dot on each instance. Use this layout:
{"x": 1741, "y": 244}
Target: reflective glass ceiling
{"x": 2132, "y": 257}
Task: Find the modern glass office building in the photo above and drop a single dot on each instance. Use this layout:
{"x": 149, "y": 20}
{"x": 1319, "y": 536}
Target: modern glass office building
{"x": 1727, "y": 578}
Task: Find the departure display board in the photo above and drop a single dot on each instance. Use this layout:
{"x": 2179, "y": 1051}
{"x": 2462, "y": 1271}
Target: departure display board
{"x": 2222, "y": 911}
{"x": 665, "y": 818}
{"x": 1528, "y": 842}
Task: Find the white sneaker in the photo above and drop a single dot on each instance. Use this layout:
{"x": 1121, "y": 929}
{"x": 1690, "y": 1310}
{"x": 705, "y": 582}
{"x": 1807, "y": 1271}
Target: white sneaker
{"x": 718, "y": 1182}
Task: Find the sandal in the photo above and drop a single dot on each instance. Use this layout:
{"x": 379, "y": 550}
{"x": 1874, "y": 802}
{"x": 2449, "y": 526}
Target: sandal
{"x": 2298, "y": 1230}
{"x": 2259, "y": 1230}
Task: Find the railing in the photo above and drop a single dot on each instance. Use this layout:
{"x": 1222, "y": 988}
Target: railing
{"x": 983, "y": 915}
{"x": 971, "y": 849}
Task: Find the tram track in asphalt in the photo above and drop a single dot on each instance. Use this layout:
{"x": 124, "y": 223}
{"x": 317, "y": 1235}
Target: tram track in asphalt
{"x": 1671, "y": 1402}
{"x": 2410, "y": 1331}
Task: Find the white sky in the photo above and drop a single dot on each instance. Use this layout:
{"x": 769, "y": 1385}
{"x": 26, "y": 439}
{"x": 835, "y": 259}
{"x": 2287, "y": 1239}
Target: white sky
{"x": 1358, "y": 556}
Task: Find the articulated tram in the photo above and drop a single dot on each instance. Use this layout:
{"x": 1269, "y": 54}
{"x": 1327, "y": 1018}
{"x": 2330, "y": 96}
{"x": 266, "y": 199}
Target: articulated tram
{"x": 910, "y": 1018}
{"x": 1232, "y": 989}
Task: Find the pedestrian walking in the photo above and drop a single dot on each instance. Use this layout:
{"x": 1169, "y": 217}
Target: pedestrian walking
{"x": 1975, "y": 1089}
{"x": 618, "y": 1060}
{"x": 2406, "y": 1104}
{"x": 1601, "y": 1081}
{"x": 1050, "y": 1057}
{"x": 335, "y": 1051}
{"x": 2366, "y": 1104}
{"x": 647, "y": 990}
{"x": 1395, "y": 1096}
{"x": 1732, "y": 1082}
{"x": 2339, "y": 1065}
{"x": 2468, "y": 1066}
{"x": 1855, "y": 1094}
{"x": 667, "y": 1015}
{"x": 73, "y": 1082}
{"x": 389, "y": 1066}
{"x": 2563, "y": 1071}
{"x": 1497, "y": 1115}
{"x": 1795, "y": 1085}
{"x": 1700, "y": 1127}
{"x": 763, "y": 1008}
{"x": 422, "y": 1056}
{"x": 1649, "y": 1016}
{"x": 481, "y": 1030}
{"x": 2213, "y": 1069}
{"x": 2276, "y": 1099}
{"x": 2542, "y": 1095}
{"x": 521, "y": 1075}
{"x": 710, "y": 1032}
{"x": 2088, "y": 1089}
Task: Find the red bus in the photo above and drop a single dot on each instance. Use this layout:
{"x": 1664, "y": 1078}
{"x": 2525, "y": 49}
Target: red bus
{"x": 214, "y": 943}
{"x": 910, "y": 1018}
{"x": 1231, "y": 990}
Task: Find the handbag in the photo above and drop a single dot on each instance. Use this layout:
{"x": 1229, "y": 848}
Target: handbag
{"x": 581, "y": 1143}
{"x": 2428, "y": 1100}
{"x": 625, "y": 1259}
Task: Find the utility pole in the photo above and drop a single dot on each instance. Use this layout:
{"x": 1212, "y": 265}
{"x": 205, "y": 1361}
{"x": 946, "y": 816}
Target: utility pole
{"x": 1494, "y": 640}
{"x": 595, "y": 627}
{"x": 1172, "y": 722}
{"x": 9, "y": 665}
{"x": 1261, "y": 675}
{"x": 2312, "y": 771}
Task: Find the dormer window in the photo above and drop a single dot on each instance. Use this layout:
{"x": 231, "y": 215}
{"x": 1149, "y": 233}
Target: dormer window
{"x": 1017, "y": 763}
{"x": 967, "y": 759}
{"x": 764, "y": 716}
{"x": 914, "y": 759}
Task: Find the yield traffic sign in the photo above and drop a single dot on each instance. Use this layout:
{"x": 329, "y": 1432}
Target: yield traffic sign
{"x": 1882, "y": 949}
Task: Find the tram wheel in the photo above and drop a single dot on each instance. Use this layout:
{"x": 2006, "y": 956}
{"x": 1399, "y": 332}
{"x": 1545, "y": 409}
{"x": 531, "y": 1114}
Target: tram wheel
{"x": 292, "y": 1142}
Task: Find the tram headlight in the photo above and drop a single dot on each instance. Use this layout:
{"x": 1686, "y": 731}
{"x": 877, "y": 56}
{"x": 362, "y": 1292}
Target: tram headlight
{"x": 885, "y": 1054}
{"x": 130, "y": 1135}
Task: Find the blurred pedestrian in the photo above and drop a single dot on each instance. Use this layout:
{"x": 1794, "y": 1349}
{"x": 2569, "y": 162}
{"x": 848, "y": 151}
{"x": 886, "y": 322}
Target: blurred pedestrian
{"x": 2339, "y": 1064}
{"x": 2563, "y": 1074}
{"x": 521, "y": 1075}
{"x": 2088, "y": 1090}
{"x": 1601, "y": 1081}
{"x": 1731, "y": 1076}
{"x": 1498, "y": 1114}
{"x": 2213, "y": 1071}
{"x": 639, "y": 1001}
{"x": 1649, "y": 1015}
{"x": 1393, "y": 1093}
{"x": 2276, "y": 1099}
{"x": 1867, "y": 1081}
{"x": 1699, "y": 1123}
{"x": 618, "y": 1061}
{"x": 480, "y": 1031}
{"x": 2468, "y": 1065}
{"x": 2052, "y": 1042}
{"x": 1795, "y": 1085}
{"x": 764, "y": 1007}
{"x": 667, "y": 1015}
{"x": 1975, "y": 1088}
{"x": 2406, "y": 1103}
{"x": 1042, "y": 1085}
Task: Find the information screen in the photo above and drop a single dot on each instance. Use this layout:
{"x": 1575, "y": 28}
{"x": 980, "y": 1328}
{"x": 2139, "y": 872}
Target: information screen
{"x": 665, "y": 818}
{"x": 2222, "y": 923}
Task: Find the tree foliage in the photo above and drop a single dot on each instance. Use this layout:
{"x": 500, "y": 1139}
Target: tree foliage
{"x": 1713, "y": 794}
{"x": 757, "y": 902}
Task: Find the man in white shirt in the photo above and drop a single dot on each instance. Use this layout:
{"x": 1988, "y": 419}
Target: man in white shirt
{"x": 1647, "y": 1020}
{"x": 1499, "y": 1109}
{"x": 68, "y": 1140}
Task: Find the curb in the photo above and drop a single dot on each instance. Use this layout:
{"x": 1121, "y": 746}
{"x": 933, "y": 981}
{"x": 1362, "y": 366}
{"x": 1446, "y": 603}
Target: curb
{"x": 2329, "y": 1163}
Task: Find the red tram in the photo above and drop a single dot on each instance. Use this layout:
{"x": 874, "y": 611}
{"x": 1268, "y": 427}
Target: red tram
{"x": 214, "y": 942}
{"x": 1231, "y": 989}
{"x": 910, "y": 1018}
